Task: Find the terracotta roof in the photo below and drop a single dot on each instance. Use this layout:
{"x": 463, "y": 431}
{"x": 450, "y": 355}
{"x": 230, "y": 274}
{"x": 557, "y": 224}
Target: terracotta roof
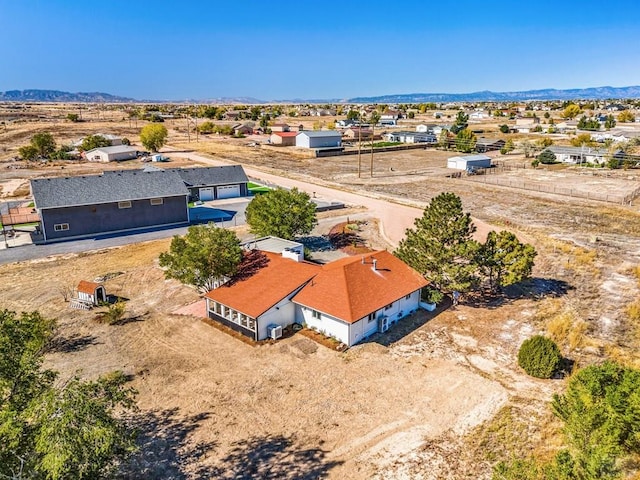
{"x": 87, "y": 287}
{"x": 286, "y": 134}
{"x": 349, "y": 289}
{"x": 264, "y": 279}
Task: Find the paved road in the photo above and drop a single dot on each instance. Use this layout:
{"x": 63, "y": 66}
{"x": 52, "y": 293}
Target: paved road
{"x": 394, "y": 217}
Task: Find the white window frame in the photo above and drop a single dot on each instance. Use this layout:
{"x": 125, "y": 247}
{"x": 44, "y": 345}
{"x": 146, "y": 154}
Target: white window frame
{"x": 156, "y": 201}
{"x": 390, "y": 306}
{"x": 408, "y": 297}
{"x": 60, "y": 227}
{"x": 371, "y": 317}
{"x": 316, "y": 314}
{"x": 125, "y": 204}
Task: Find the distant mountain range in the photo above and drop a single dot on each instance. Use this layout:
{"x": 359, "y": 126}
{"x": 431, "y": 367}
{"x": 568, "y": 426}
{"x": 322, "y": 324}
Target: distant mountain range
{"x": 58, "y": 96}
{"x": 596, "y": 93}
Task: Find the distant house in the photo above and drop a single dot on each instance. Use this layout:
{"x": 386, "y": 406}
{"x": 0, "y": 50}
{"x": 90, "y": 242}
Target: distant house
{"x": 111, "y": 154}
{"x": 280, "y": 127}
{"x": 284, "y": 139}
{"x": 239, "y": 130}
{"x": 114, "y": 140}
{"x": 488, "y": 144}
{"x": 390, "y": 118}
{"x": 232, "y": 115}
{"x": 576, "y": 155}
{"x": 354, "y": 297}
{"x": 526, "y": 125}
{"x": 349, "y": 299}
{"x": 469, "y": 161}
{"x": 347, "y": 123}
{"x": 318, "y": 139}
{"x": 76, "y": 207}
{"x": 410, "y": 137}
{"x": 214, "y": 183}
{"x": 358, "y": 133}
{"x": 478, "y": 115}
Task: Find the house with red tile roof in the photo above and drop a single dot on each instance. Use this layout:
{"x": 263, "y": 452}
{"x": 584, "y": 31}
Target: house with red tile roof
{"x": 348, "y": 299}
{"x": 259, "y": 296}
{"x": 354, "y": 297}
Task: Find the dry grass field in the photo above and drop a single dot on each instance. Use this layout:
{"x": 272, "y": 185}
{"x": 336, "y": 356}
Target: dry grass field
{"x": 438, "y": 397}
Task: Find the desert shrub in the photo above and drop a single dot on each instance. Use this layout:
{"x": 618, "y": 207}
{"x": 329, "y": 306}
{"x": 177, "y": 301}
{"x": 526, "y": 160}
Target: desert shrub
{"x": 115, "y": 312}
{"x": 539, "y": 356}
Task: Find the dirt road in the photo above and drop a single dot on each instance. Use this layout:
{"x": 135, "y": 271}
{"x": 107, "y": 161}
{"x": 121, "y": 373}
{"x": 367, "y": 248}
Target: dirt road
{"x": 395, "y": 217}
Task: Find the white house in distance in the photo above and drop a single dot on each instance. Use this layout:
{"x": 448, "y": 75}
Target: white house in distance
{"x": 111, "y": 154}
{"x": 318, "y": 139}
{"x": 577, "y": 155}
{"x": 469, "y": 161}
{"x": 348, "y": 299}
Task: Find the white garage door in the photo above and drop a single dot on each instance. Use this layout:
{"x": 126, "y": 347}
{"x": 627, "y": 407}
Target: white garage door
{"x": 229, "y": 191}
{"x": 206, "y": 194}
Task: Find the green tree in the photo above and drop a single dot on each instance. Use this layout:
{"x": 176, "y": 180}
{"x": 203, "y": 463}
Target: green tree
{"x": 73, "y": 117}
{"x": 44, "y": 143}
{"x": 153, "y": 136}
{"x": 508, "y": 147}
{"x": 94, "y": 141}
{"x": 609, "y": 122}
{"x": 282, "y": 213}
{"x": 504, "y": 128}
{"x": 539, "y": 356}
{"x": 504, "y": 260}
{"x": 440, "y": 246}
{"x": 126, "y": 141}
{"x": 588, "y": 123}
{"x": 465, "y": 141}
{"x": 571, "y": 111}
{"x": 206, "y": 127}
{"x": 28, "y": 152}
{"x": 353, "y": 115}
{"x": 49, "y": 431}
{"x": 203, "y": 257}
{"x": 461, "y": 122}
{"x": 546, "y": 157}
{"x": 443, "y": 139}
{"x": 601, "y": 414}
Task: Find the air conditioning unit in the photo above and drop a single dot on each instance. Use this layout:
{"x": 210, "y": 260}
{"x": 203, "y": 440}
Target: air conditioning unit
{"x": 383, "y": 324}
{"x": 275, "y": 331}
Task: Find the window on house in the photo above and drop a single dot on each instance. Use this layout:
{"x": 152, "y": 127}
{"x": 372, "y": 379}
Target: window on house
{"x": 126, "y": 204}
{"x": 61, "y": 227}
{"x": 315, "y": 314}
{"x": 251, "y": 324}
{"x": 371, "y": 317}
{"x": 157, "y": 201}
{"x": 388, "y": 306}
{"x": 407, "y": 297}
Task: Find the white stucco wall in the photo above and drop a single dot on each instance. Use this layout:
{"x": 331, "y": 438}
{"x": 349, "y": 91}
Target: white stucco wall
{"x": 326, "y": 324}
{"x": 283, "y": 314}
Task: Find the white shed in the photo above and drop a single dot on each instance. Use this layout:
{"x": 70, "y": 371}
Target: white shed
{"x": 111, "y": 154}
{"x": 469, "y": 161}
{"x": 318, "y": 139}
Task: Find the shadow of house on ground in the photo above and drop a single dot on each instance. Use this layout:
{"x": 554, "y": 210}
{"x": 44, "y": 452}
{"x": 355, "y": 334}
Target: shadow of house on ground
{"x": 407, "y": 325}
{"x": 165, "y": 450}
{"x": 274, "y": 457}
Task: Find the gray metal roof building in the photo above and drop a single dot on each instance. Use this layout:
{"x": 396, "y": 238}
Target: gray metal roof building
{"x": 206, "y": 176}
{"x": 109, "y": 187}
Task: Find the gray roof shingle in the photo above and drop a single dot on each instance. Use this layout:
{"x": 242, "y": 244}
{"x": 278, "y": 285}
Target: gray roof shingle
{"x": 107, "y": 188}
{"x": 208, "y": 176}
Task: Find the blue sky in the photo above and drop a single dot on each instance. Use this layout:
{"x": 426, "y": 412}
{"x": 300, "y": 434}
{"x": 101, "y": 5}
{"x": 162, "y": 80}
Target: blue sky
{"x": 320, "y": 49}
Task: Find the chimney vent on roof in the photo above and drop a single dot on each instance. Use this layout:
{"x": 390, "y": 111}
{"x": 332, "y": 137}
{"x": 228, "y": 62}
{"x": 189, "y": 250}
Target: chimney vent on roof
{"x": 363, "y": 260}
{"x": 375, "y": 264}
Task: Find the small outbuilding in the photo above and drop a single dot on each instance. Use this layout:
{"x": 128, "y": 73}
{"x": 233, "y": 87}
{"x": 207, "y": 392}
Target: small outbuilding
{"x": 115, "y": 153}
{"x": 318, "y": 139}
{"x": 487, "y": 144}
{"x": 91, "y": 292}
{"x": 283, "y": 139}
{"x": 469, "y": 161}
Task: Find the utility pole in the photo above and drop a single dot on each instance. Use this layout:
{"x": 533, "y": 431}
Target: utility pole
{"x": 188, "y": 128}
{"x": 359, "y": 148}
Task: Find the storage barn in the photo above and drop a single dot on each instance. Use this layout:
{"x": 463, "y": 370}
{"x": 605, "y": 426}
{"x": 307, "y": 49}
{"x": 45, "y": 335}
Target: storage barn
{"x": 318, "y": 139}
{"x": 111, "y": 154}
{"x": 469, "y": 161}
